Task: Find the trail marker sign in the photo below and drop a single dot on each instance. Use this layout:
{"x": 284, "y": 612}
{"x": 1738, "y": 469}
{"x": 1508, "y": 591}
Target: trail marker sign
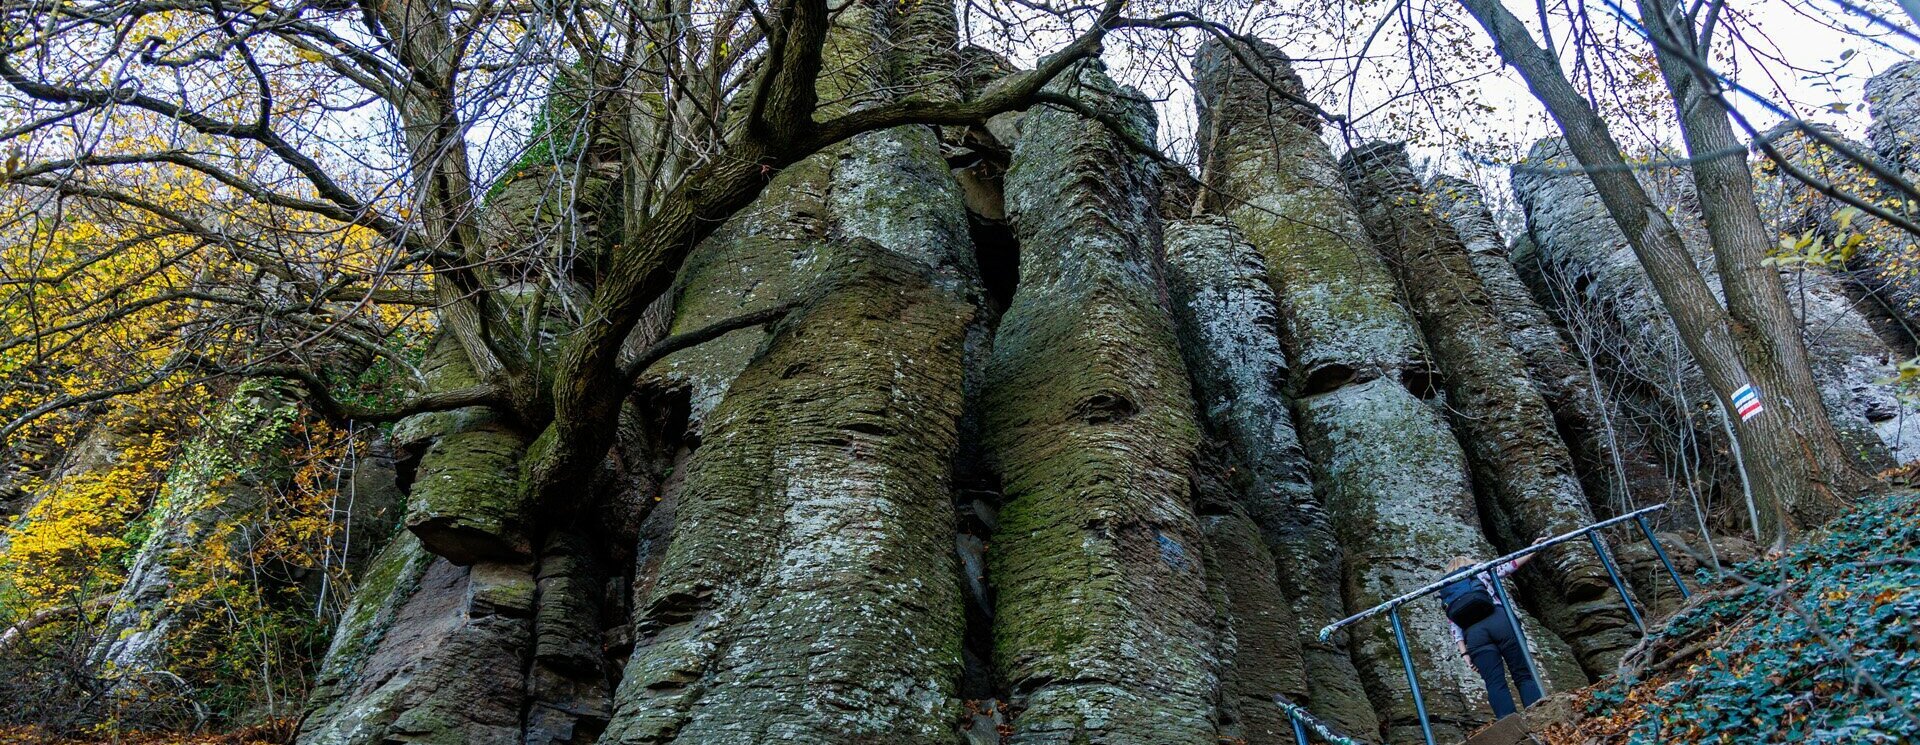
{"x": 1746, "y": 402}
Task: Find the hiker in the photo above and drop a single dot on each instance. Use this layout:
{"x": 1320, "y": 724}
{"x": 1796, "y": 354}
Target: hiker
{"x": 1486, "y": 634}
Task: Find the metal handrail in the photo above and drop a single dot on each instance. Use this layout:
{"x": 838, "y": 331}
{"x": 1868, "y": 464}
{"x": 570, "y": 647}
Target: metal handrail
{"x": 1305, "y": 722}
{"x": 1638, "y": 515}
{"x": 1392, "y": 607}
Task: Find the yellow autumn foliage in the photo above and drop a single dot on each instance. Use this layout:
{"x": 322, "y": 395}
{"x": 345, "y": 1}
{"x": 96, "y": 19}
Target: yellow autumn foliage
{"x": 67, "y": 547}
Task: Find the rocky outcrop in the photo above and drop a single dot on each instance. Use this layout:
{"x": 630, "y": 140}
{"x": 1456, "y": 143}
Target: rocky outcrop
{"x": 428, "y": 652}
{"x": 1604, "y": 296}
{"x": 808, "y": 592}
{"x": 1268, "y": 171}
{"x": 1229, "y": 330}
{"x": 1257, "y": 639}
{"x": 1893, "y": 97}
{"x": 1523, "y": 471}
{"x": 803, "y": 587}
{"x": 1102, "y": 619}
{"x": 1617, "y": 469}
{"x": 204, "y": 524}
{"x": 1575, "y": 260}
{"x": 1390, "y": 472}
{"x": 1877, "y": 283}
{"x": 1882, "y": 256}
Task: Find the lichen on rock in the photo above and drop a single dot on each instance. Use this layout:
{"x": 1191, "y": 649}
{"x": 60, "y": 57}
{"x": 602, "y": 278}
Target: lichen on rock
{"x": 1102, "y": 620}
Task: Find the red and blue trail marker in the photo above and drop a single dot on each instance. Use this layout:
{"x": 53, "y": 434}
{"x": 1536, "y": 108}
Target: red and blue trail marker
{"x": 1746, "y": 402}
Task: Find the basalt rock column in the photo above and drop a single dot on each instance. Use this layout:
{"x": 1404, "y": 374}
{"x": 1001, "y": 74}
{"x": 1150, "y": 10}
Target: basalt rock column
{"x": 1616, "y": 468}
{"x": 1229, "y": 329}
{"x": 1576, "y": 260}
{"x": 1893, "y": 97}
{"x": 1391, "y": 473}
{"x": 427, "y": 652}
{"x": 807, "y": 590}
{"x": 808, "y": 594}
{"x": 1522, "y": 468}
{"x": 1102, "y": 622}
{"x": 1883, "y": 263}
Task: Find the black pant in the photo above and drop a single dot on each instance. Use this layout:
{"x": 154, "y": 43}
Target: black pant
{"x": 1489, "y": 643}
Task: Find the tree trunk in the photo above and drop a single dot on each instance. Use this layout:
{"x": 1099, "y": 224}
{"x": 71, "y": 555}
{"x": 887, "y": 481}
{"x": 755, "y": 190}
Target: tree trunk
{"x": 1523, "y": 471}
{"x": 1798, "y": 472}
{"x": 1230, "y": 333}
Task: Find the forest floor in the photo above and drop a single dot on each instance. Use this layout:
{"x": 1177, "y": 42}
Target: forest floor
{"x": 1818, "y": 645}
{"x": 261, "y": 735}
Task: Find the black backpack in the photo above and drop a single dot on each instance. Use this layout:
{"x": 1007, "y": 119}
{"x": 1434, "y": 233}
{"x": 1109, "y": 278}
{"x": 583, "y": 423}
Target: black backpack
{"x": 1467, "y": 602}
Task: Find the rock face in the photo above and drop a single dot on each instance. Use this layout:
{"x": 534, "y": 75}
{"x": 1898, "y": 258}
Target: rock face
{"x": 1604, "y": 296}
{"x": 205, "y": 520}
{"x": 1102, "y": 619}
{"x": 807, "y": 590}
{"x": 819, "y": 489}
{"x": 1617, "y": 469}
{"x": 1883, "y": 258}
{"x": 1893, "y": 97}
{"x": 428, "y": 652}
{"x": 1523, "y": 470}
{"x": 1280, "y": 185}
{"x": 1390, "y": 472}
{"x": 1577, "y": 261}
{"x": 1041, "y": 444}
{"x": 1229, "y": 329}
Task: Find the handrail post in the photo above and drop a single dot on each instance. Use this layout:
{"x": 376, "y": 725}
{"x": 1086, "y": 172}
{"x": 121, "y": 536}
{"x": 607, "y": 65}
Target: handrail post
{"x": 1513, "y": 618}
{"x": 1413, "y": 683}
{"x": 1614, "y": 574}
{"x": 1662, "y": 552}
{"x": 1299, "y": 730}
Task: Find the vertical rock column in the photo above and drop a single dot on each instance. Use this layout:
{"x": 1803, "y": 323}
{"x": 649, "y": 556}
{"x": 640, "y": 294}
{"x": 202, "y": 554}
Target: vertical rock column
{"x": 1523, "y": 470}
{"x": 1391, "y": 473}
{"x": 1577, "y": 259}
{"x": 1229, "y": 329}
{"x": 1893, "y": 97}
{"x": 1617, "y": 469}
{"x": 427, "y": 652}
{"x": 807, "y": 590}
{"x": 808, "y": 593}
{"x": 1102, "y": 622}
